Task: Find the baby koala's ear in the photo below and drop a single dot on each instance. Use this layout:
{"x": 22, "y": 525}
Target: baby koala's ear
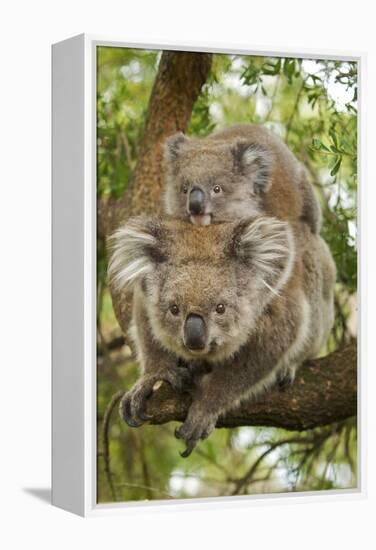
{"x": 265, "y": 243}
{"x": 254, "y": 161}
{"x": 173, "y": 145}
{"x": 135, "y": 250}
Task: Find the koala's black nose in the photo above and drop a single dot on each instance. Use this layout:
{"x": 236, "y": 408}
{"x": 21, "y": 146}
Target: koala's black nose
{"x": 195, "y": 332}
{"x": 196, "y": 202}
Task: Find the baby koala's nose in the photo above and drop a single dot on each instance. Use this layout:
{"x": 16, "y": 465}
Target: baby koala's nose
{"x": 195, "y": 332}
{"x": 197, "y": 202}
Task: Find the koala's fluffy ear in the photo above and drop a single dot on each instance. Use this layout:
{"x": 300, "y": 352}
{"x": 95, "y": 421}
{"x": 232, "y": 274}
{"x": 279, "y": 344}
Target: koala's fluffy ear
{"x": 254, "y": 161}
{"x": 265, "y": 243}
{"x": 173, "y": 145}
{"x": 135, "y": 250}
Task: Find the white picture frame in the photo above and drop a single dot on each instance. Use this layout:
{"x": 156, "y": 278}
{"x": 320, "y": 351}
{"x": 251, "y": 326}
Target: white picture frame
{"x": 74, "y": 277}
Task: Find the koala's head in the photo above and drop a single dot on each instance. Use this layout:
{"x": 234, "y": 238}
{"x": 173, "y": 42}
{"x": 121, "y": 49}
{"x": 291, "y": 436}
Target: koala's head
{"x": 203, "y": 288}
{"x": 214, "y": 181}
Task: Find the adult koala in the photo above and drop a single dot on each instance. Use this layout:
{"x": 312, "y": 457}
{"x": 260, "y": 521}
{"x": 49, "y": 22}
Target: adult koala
{"x": 249, "y": 300}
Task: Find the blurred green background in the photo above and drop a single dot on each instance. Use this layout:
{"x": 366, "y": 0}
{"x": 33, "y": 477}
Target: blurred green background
{"x": 312, "y": 105}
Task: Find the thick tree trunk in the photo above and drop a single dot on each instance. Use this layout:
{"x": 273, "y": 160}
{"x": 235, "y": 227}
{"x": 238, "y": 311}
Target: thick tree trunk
{"x": 325, "y": 391}
{"x": 178, "y": 83}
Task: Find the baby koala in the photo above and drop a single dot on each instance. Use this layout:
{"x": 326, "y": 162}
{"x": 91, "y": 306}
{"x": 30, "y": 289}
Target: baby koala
{"x": 239, "y": 172}
{"x": 250, "y": 299}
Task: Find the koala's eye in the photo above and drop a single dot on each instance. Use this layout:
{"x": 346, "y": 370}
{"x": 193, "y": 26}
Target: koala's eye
{"x": 220, "y": 309}
{"x": 185, "y": 189}
{"x": 174, "y": 309}
{"x": 217, "y": 189}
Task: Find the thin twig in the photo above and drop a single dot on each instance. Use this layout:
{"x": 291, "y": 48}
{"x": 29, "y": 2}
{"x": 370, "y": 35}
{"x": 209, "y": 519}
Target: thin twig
{"x": 295, "y": 108}
{"x": 212, "y": 461}
{"x": 245, "y": 480}
{"x": 268, "y": 115}
{"x": 106, "y": 440}
{"x": 144, "y": 464}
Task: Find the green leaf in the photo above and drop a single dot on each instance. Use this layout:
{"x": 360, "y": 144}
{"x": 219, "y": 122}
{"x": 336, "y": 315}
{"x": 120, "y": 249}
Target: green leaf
{"x": 336, "y": 167}
{"x": 333, "y": 136}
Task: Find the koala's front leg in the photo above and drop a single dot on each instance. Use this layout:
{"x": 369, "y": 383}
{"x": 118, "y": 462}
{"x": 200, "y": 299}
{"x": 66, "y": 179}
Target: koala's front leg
{"x": 198, "y": 425}
{"x": 203, "y": 412}
{"x": 216, "y": 393}
{"x": 181, "y": 376}
{"x": 156, "y": 364}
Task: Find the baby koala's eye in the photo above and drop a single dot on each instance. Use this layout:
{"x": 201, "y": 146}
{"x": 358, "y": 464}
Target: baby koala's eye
{"x": 185, "y": 189}
{"x": 174, "y": 309}
{"x": 220, "y": 309}
{"x": 217, "y": 189}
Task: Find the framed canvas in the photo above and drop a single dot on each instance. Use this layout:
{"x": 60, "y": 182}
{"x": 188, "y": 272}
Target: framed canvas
{"x": 206, "y": 260}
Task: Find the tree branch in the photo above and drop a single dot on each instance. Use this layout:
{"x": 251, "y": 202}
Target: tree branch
{"x": 325, "y": 391}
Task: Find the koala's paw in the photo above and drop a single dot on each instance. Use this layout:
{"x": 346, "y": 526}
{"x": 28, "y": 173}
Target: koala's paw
{"x": 196, "y": 426}
{"x": 132, "y": 406}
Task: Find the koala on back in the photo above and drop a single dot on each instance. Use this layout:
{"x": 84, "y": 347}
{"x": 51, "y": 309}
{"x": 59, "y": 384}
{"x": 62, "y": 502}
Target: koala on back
{"x": 249, "y": 300}
{"x": 236, "y": 173}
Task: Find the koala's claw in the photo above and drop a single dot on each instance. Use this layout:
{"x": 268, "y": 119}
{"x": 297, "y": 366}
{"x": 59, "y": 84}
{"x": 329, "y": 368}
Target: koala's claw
{"x": 190, "y": 443}
{"x": 188, "y": 450}
{"x": 194, "y": 429}
{"x": 144, "y": 416}
{"x": 133, "y": 404}
{"x": 126, "y": 414}
{"x": 133, "y": 423}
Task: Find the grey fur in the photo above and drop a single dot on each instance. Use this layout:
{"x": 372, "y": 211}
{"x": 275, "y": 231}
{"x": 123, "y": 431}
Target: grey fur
{"x": 255, "y": 170}
{"x": 276, "y": 281}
